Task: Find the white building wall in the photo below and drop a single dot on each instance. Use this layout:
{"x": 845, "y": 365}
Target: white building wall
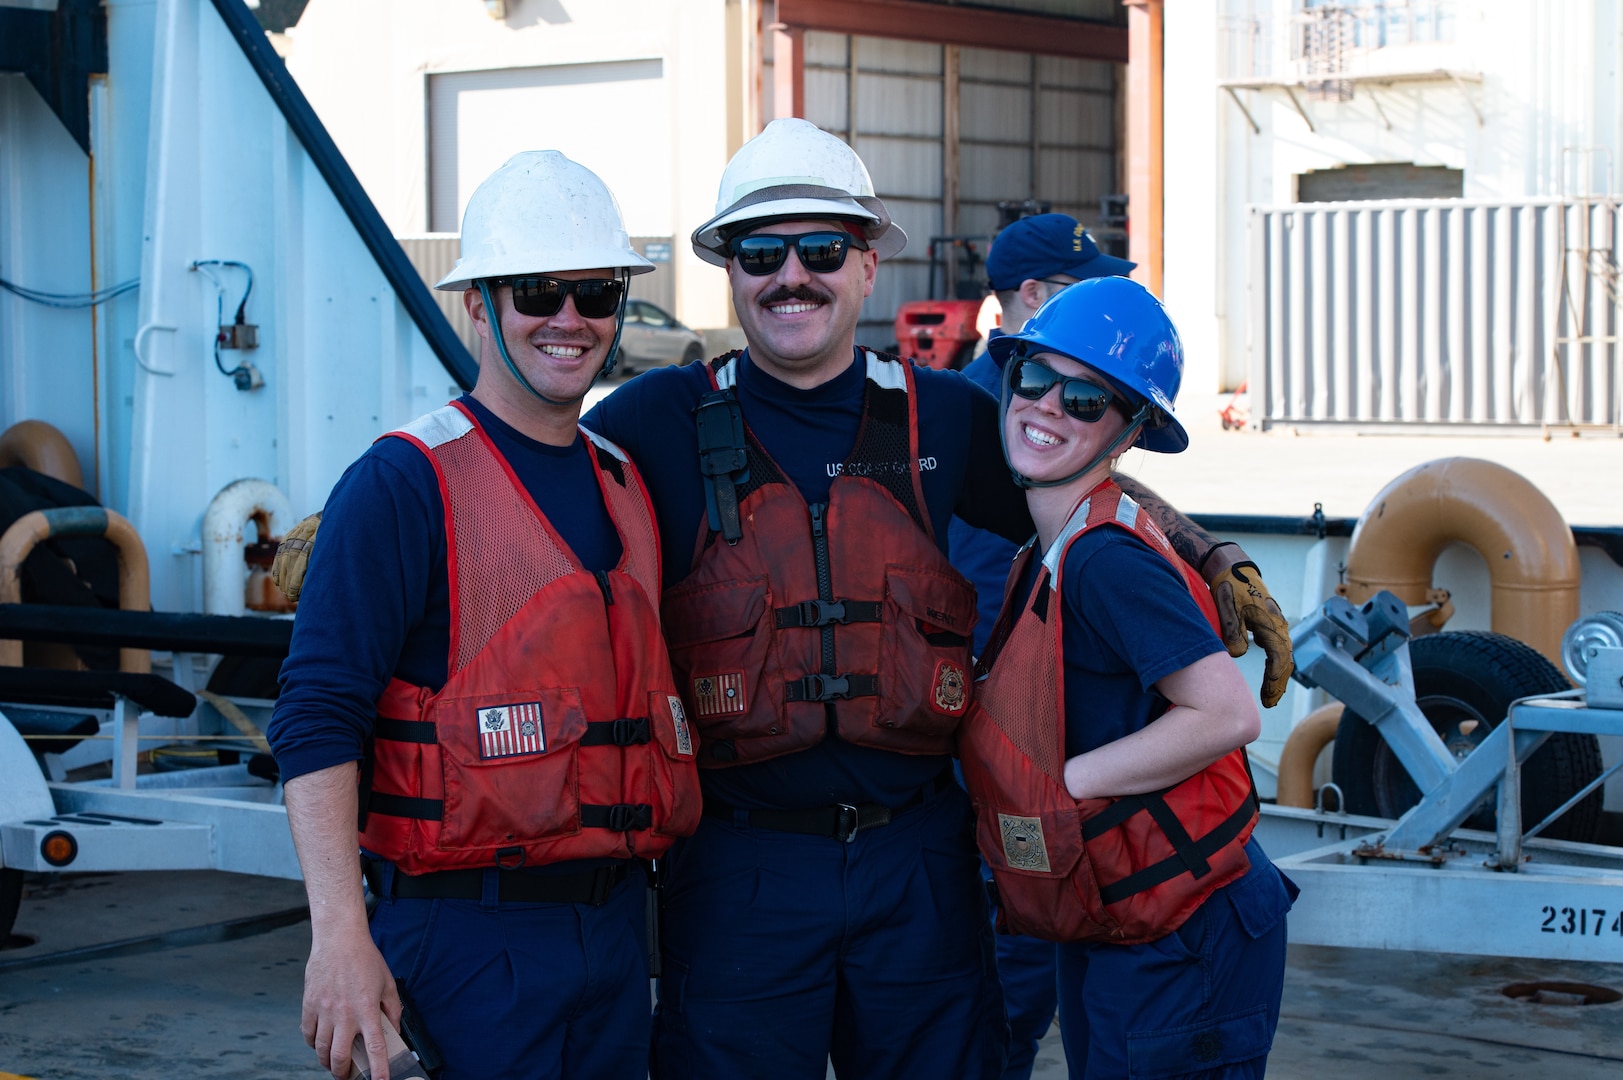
{"x": 366, "y": 67}
{"x": 1549, "y": 81}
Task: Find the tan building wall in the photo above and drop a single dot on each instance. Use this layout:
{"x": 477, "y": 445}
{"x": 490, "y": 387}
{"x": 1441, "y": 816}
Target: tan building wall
{"x": 674, "y": 75}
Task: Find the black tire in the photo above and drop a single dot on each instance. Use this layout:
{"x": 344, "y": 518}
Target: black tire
{"x": 247, "y": 676}
{"x": 1474, "y": 675}
{"x": 11, "y": 898}
{"x": 962, "y": 355}
{"x": 692, "y": 352}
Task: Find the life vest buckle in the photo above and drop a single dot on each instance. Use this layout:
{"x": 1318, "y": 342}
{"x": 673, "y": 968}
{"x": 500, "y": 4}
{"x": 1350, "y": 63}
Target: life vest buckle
{"x": 820, "y": 687}
{"x": 629, "y": 817}
{"x": 822, "y": 612}
{"x": 631, "y": 731}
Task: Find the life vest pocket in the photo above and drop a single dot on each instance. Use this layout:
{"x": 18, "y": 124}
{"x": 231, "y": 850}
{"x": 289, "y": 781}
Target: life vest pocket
{"x": 1036, "y": 860}
{"x": 510, "y": 761}
{"x": 670, "y": 781}
{"x": 925, "y": 681}
{"x": 721, "y": 656}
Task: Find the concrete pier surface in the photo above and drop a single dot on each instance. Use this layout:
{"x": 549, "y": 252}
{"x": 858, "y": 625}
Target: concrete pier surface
{"x": 183, "y": 1003}
{"x": 1286, "y": 471}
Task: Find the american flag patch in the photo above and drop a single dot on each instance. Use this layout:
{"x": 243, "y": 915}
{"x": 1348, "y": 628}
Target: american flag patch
{"x": 510, "y": 730}
{"x": 684, "y": 740}
{"x": 719, "y": 695}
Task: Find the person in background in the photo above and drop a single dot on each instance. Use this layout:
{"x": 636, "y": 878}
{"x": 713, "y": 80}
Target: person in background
{"x": 1031, "y": 259}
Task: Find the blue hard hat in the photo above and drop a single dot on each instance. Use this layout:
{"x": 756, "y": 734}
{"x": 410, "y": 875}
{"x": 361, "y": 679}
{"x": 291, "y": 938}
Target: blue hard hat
{"x": 1118, "y": 328}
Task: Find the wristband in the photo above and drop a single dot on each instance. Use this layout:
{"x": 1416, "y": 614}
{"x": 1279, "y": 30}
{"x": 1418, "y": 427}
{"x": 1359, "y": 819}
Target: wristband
{"x": 1200, "y": 568}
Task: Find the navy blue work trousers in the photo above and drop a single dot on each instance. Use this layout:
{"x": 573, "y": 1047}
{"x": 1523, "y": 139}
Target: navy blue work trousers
{"x": 1026, "y": 968}
{"x": 784, "y": 952}
{"x": 526, "y": 991}
{"x": 1200, "y": 1003}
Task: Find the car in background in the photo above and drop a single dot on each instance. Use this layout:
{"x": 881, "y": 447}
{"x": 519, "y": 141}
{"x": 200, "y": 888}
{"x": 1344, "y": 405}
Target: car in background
{"x": 653, "y": 338}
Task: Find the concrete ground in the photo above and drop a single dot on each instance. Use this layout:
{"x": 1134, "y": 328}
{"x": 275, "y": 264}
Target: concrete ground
{"x": 184, "y": 1008}
{"x": 1283, "y": 471}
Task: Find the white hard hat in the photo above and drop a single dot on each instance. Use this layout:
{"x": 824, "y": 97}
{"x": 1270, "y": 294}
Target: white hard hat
{"x": 541, "y": 212}
{"x": 795, "y": 170}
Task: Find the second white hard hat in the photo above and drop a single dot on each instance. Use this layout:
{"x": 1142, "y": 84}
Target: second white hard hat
{"x": 541, "y": 212}
{"x": 794, "y": 169}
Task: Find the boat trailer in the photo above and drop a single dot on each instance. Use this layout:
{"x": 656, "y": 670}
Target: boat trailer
{"x": 1421, "y": 882}
{"x": 221, "y": 817}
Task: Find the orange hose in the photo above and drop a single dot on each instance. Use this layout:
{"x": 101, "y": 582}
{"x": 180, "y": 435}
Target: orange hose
{"x": 43, "y": 448}
{"x": 134, "y": 576}
{"x": 1303, "y": 745}
{"x": 1531, "y": 557}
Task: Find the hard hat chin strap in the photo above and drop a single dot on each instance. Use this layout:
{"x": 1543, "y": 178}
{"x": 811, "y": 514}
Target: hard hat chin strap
{"x": 609, "y": 361}
{"x": 1134, "y": 423}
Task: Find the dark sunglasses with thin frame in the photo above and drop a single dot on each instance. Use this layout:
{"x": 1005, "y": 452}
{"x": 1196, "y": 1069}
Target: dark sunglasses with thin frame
{"x": 1081, "y": 398}
{"x": 542, "y": 297}
{"x": 821, "y": 252}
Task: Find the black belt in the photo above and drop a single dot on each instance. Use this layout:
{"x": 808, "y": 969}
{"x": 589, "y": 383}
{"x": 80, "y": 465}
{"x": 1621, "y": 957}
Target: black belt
{"x": 586, "y": 887}
{"x": 841, "y": 821}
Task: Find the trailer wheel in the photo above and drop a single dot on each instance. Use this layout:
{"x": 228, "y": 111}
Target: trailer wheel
{"x": 11, "y": 898}
{"x": 1473, "y": 675}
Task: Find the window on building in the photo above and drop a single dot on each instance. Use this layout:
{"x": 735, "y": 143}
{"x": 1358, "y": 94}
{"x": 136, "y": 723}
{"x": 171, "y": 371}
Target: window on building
{"x": 1380, "y": 180}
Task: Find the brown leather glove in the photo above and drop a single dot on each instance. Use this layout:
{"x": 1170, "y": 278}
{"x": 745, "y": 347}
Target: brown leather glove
{"x": 293, "y": 557}
{"x": 1243, "y": 604}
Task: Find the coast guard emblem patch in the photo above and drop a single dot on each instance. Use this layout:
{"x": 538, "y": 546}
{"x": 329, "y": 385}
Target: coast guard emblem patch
{"x": 719, "y": 695}
{"x": 510, "y": 730}
{"x": 951, "y": 689}
{"x": 684, "y": 740}
{"x": 1023, "y": 843}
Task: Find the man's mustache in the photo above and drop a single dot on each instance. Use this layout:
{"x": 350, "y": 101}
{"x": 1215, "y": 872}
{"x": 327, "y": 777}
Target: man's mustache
{"x": 799, "y": 292}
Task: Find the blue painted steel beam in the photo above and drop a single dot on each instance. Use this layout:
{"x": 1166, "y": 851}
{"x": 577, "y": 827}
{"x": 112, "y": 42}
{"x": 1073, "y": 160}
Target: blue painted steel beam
{"x": 58, "y": 51}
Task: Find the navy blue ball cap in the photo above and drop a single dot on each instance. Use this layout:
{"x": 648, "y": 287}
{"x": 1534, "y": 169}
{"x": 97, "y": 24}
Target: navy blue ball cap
{"x": 1047, "y": 245}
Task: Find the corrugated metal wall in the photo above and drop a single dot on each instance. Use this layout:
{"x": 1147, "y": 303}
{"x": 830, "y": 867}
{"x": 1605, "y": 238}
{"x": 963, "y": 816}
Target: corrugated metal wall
{"x": 896, "y": 87}
{"x": 1034, "y": 127}
{"x": 1435, "y": 312}
{"x": 433, "y": 254}
{"x": 1029, "y": 127}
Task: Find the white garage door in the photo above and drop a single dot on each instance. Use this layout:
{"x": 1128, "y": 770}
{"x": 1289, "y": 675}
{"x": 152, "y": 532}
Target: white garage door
{"x": 611, "y": 117}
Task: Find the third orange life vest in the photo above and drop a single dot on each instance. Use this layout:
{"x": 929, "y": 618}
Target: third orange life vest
{"x": 1122, "y": 870}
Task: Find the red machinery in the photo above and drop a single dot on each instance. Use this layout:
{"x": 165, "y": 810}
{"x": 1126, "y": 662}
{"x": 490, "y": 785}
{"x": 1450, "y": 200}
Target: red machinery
{"x": 938, "y": 333}
{"x": 942, "y": 333}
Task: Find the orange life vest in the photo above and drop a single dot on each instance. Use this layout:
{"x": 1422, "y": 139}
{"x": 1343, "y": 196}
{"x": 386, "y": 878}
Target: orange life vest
{"x": 848, "y": 602}
{"x": 1122, "y": 870}
{"x": 558, "y": 734}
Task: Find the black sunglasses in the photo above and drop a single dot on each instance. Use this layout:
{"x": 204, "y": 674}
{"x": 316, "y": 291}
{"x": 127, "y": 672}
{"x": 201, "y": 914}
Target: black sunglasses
{"x": 821, "y": 252}
{"x": 1081, "y": 398}
{"x": 542, "y": 297}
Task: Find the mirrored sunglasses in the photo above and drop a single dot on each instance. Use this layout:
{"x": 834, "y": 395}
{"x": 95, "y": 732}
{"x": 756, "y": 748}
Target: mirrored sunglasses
{"x": 542, "y": 297}
{"x": 1082, "y": 398}
{"x": 821, "y": 252}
